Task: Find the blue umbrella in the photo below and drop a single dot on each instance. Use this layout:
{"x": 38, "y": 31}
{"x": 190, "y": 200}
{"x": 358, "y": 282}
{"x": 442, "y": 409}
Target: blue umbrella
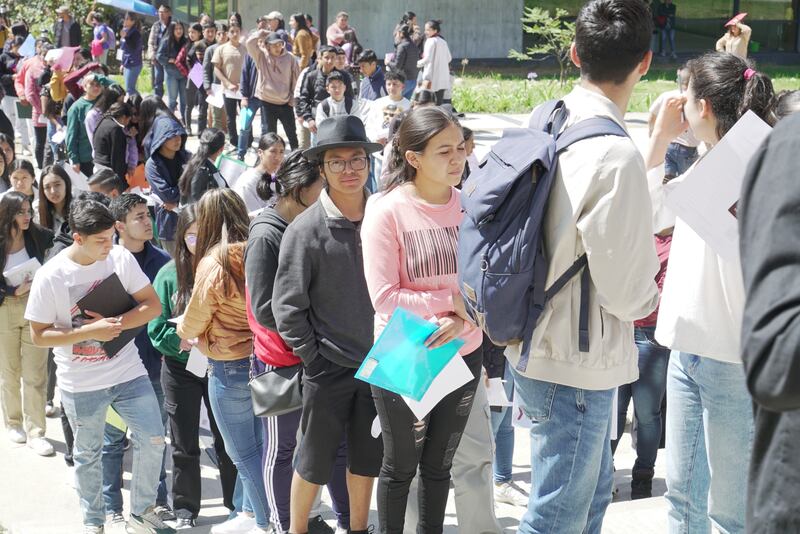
{"x": 136, "y": 6}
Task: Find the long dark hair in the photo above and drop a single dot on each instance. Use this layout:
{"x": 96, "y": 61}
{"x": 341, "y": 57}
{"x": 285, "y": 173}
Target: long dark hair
{"x": 405, "y": 32}
{"x": 176, "y": 45}
{"x": 4, "y": 171}
{"x": 407, "y": 17}
{"x": 267, "y": 141}
{"x": 417, "y": 128}
{"x": 10, "y": 205}
{"x": 732, "y": 86}
{"x": 137, "y": 22}
{"x": 301, "y": 22}
{"x": 787, "y": 103}
{"x": 109, "y": 97}
{"x": 221, "y": 219}
{"x": 151, "y": 106}
{"x": 184, "y": 260}
{"x": 211, "y": 141}
{"x": 295, "y": 174}
{"x": 46, "y": 208}
{"x": 25, "y": 166}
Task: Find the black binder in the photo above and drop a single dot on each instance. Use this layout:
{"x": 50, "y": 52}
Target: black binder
{"x": 110, "y": 299}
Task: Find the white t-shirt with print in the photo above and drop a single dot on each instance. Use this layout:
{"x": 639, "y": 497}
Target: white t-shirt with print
{"x": 57, "y": 287}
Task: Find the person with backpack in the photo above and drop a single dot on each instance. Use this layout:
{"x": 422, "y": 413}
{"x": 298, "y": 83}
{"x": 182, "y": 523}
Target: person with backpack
{"x": 103, "y": 38}
{"x": 313, "y": 90}
{"x": 565, "y": 377}
{"x": 338, "y": 103}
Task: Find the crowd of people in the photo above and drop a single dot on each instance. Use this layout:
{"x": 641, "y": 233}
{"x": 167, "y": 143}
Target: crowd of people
{"x": 287, "y": 272}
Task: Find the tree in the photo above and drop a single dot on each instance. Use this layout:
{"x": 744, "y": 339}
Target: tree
{"x": 553, "y": 35}
{"x": 40, "y": 15}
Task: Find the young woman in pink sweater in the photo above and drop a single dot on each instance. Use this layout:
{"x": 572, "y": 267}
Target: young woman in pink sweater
{"x": 409, "y": 237}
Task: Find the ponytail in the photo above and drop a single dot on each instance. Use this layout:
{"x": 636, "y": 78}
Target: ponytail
{"x": 212, "y": 140}
{"x": 732, "y": 86}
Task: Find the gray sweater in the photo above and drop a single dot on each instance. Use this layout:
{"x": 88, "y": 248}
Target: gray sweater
{"x": 320, "y": 299}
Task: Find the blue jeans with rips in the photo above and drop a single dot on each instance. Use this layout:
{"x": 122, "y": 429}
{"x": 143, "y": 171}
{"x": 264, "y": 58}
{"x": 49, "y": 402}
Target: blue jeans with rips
{"x": 571, "y": 464}
{"x": 136, "y": 403}
{"x": 113, "y": 452}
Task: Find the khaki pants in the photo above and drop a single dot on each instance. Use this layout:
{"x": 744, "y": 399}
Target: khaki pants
{"x": 20, "y": 359}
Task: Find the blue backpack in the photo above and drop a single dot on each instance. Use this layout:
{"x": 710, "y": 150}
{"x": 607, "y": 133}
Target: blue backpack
{"x": 502, "y": 265}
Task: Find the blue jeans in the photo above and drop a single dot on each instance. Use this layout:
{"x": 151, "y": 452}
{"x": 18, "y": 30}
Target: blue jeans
{"x": 408, "y": 89}
{"x": 113, "y": 452}
{"x": 667, "y": 34}
{"x": 136, "y": 403}
{"x": 130, "y": 75}
{"x": 709, "y": 437}
{"x": 647, "y": 394}
{"x": 571, "y": 465}
{"x": 678, "y": 159}
{"x": 503, "y": 431}
{"x": 246, "y": 134}
{"x": 157, "y": 75}
{"x": 176, "y": 89}
{"x": 241, "y": 430}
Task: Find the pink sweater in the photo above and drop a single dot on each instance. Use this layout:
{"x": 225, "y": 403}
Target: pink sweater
{"x": 410, "y": 258}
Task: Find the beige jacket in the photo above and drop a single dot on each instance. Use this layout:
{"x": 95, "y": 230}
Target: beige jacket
{"x": 277, "y": 76}
{"x": 736, "y": 45}
{"x": 600, "y": 205}
{"x": 217, "y": 319}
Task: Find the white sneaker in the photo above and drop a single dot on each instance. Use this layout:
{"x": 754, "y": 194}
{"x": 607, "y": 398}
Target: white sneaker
{"x": 51, "y": 411}
{"x": 508, "y": 494}
{"x": 241, "y": 524}
{"x": 340, "y": 530}
{"x": 17, "y": 435}
{"x": 93, "y": 529}
{"x": 257, "y": 530}
{"x": 41, "y": 446}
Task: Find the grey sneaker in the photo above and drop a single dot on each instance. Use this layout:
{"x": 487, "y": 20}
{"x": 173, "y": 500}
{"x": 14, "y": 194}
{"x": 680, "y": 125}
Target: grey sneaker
{"x": 93, "y": 529}
{"x": 148, "y": 523}
{"x": 115, "y": 518}
{"x": 164, "y": 512}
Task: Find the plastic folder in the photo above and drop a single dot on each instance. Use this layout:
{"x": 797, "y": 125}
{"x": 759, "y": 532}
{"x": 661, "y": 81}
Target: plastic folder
{"x": 400, "y": 362}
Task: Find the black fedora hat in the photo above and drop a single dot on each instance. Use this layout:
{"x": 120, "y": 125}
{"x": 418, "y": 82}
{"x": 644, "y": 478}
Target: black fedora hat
{"x": 341, "y": 131}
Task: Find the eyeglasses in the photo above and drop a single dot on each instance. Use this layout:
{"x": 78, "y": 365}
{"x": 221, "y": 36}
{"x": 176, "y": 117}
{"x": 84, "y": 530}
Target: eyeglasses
{"x": 191, "y": 239}
{"x": 339, "y": 165}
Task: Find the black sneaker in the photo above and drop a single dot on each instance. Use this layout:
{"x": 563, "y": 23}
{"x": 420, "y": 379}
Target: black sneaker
{"x": 147, "y": 523}
{"x": 317, "y": 525}
{"x": 642, "y": 484}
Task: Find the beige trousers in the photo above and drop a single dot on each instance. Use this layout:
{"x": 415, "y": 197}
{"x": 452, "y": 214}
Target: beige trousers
{"x": 21, "y": 361}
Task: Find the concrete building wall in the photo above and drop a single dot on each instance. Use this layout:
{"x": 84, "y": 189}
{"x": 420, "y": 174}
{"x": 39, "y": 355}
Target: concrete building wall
{"x": 473, "y": 28}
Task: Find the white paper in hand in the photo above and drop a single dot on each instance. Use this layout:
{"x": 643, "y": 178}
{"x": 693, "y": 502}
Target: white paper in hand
{"x": 22, "y": 273}
{"x": 79, "y": 180}
{"x": 197, "y": 363}
{"x": 376, "y": 427}
{"x": 496, "y": 393}
{"x": 215, "y": 97}
{"x": 454, "y": 375}
{"x": 59, "y": 137}
{"x": 176, "y": 320}
{"x": 707, "y": 198}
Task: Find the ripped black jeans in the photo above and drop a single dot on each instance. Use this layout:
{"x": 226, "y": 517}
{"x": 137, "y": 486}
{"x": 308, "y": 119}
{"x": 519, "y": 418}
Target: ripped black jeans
{"x": 429, "y": 445}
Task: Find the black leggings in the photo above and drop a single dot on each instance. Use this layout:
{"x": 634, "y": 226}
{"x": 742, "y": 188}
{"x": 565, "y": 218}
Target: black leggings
{"x": 429, "y": 444}
{"x": 41, "y": 142}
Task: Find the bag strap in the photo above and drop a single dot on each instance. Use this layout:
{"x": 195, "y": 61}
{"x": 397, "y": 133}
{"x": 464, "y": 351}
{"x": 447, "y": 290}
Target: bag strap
{"x": 326, "y": 107}
{"x": 587, "y": 129}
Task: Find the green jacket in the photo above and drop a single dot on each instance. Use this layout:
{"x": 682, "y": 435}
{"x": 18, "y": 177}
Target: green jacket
{"x": 79, "y": 150}
{"x": 163, "y": 333}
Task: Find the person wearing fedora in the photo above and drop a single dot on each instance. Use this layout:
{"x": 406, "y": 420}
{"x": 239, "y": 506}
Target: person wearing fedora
{"x": 323, "y": 311}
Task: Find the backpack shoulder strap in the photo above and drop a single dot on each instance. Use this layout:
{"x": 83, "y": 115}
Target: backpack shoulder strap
{"x": 594, "y": 127}
{"x": 326, "y": 107}
{"x": 544, "y": 117}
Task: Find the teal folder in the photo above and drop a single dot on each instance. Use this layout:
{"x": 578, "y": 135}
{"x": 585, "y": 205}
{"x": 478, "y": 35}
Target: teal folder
{"x": 400, "y": 362}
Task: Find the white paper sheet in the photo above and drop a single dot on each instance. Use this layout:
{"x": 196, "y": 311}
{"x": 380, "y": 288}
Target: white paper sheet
{"x": 59, "y": 137}
{"x": 22, "y": 273}
{"x": 233, "y": 94}
{"x": 176, "y": 320}
{"x": 496, "y": 393}
{"x": 119, "y": 54}
{"x": 707, "y": 197}
{"x": 215, "y": 97}
{"x": 197, "y": 363}
{"x": 79, "y": 180}
{"x": 454, "y": 375}
{"x": 376, "y": 427}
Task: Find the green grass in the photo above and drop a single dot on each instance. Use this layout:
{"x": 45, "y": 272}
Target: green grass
{"x": 495, "y": 93}
{"x": 512, "y": 93}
